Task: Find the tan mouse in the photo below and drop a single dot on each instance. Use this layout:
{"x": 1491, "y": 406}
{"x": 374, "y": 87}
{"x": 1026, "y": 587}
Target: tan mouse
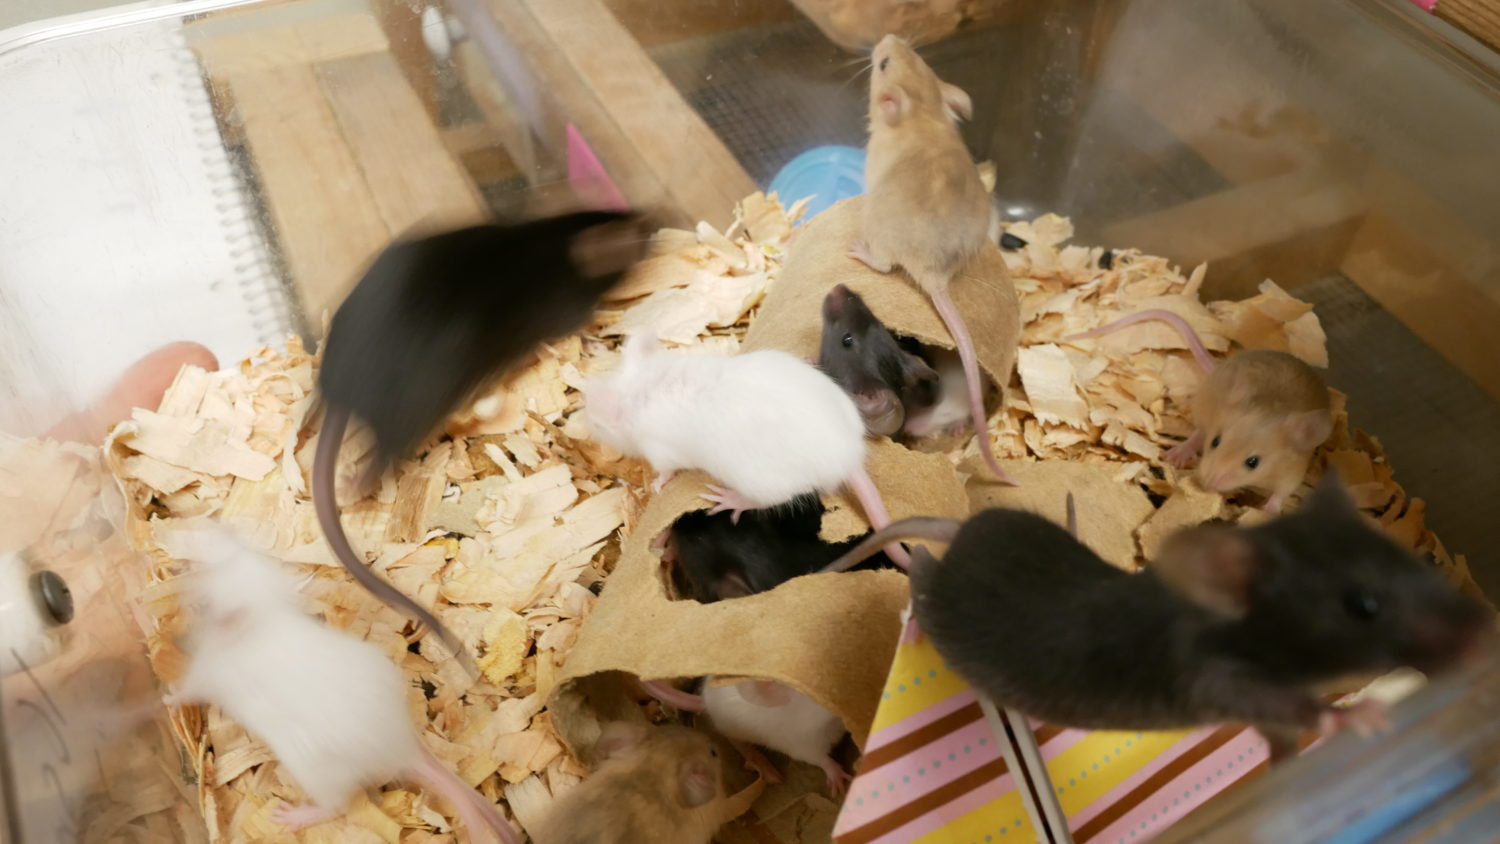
{"x": 1262, "y": 413}
{"x": 658, "y": 784}
{"x": 926, "y": 209}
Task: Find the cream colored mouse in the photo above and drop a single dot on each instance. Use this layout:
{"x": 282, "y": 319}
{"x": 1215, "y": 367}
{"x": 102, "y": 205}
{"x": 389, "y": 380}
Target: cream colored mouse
{"x": 1262, "y": 414}
{"x": 926, "y": 209}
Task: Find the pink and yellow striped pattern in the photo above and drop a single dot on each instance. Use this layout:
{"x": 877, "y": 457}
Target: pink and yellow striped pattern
{"x": 932, "y": 771}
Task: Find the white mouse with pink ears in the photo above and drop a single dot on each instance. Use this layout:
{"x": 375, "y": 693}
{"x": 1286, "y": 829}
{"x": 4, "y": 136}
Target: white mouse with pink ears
{"x": 330, "y": 706}
{"x": 766, "y": 424}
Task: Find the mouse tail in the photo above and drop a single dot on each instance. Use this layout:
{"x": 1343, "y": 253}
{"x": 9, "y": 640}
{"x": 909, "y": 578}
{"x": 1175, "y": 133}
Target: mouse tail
{"x": 956, "y": 327}
{"x": 930, "y": 528}
{"x": 1189, "y": 336}
{"x": 875, "y": 513}
{"x": 672, "y": 696}
{"x": 477, "y": 812}
{"x": 325, "y": 468}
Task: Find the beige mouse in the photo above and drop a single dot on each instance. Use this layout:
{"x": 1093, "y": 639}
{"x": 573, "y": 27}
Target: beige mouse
{"x": 1261, "y": 414}
{"x": 658, "y": 784}
{"x": 926, "y": 209}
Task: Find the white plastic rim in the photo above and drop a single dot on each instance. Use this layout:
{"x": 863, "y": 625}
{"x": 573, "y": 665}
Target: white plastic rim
{"x": 67, "y": 26}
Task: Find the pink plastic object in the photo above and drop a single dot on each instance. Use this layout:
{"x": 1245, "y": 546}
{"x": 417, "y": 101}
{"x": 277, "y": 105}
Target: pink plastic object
{"x": 589, "y": 179}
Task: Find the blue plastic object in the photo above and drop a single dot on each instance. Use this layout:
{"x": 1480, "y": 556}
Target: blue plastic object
{"x": 827, "y": 174}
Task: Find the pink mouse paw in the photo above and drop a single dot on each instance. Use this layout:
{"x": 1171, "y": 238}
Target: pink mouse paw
{"x": 296, "y": 818}
{"x": 911, "y": 633}
{"x": 838, "y": 778}
{"x": 1365, "y": 718}
{"x": 1183, "y": 453}
{"x": 860, "y": 252}
{"x": 728, "y": 500}
{"x": 757, "y": 762}
{"x": 662, "y": 480}
{"x": 955, "y": 429}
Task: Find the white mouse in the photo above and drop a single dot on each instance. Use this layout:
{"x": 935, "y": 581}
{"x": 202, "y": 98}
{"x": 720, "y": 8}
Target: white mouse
{"x": 330, "y": 706}
{"x": 767, "y": 714}
{"x": 768, "y": 425}
{"x": 778, "y": 717}
{"x": 950, "y": 413}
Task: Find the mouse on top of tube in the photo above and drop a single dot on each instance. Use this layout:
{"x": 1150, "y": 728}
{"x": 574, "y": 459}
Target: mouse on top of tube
{"x": 1243, "y": 624}
{"x": 926, "y": 209}
{"x": 766, "y": 425}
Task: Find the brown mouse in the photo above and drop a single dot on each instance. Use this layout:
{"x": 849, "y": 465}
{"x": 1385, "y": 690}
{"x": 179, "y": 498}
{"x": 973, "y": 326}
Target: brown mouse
{"x": 1262, "y": 412}
{"x": 658, "y": 784}
{"x": 1228, "y": 624}
{"x": 927, "y": 210}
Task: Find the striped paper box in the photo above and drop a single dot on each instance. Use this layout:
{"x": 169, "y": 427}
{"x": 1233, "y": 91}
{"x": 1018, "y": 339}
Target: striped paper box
{"x": 933, "y": 770}
{"x": 1125, "y": 787}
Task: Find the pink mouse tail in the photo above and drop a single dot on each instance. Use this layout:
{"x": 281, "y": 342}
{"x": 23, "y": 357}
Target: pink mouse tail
{"x": 477, "y": 812}
{"x": 955, "y": 322}
{"x": 673, "y": 697}
{"x": 869, "y": 499}
{"x": 1189, "y": 336}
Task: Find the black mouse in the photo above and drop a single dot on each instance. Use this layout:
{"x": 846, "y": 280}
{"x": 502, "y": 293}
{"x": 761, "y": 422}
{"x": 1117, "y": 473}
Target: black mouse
{"x": 714, "y": 558}
{"x": 434, "y": 319}
{"x": 886, "y": 381}
{"x": 1228, "y": 624}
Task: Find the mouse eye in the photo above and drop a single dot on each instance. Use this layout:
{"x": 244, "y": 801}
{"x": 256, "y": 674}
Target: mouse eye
{"x": 714, "y": 752}
{"x": 1362, "y": 604}
{"x": 1252, "y": 461}
{"x": 848, "y": 340}
{"x": 1215, "y": 442}
{"x": 885, "y": 61}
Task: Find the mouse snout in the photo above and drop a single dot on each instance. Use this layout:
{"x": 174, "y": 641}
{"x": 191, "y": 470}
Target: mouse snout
{"x": 1457, "y": 635}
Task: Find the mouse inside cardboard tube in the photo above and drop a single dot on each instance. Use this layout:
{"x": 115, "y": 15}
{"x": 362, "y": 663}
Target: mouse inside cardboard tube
{"x": 1241, "y": 624}
{"x": 900, "y": 385}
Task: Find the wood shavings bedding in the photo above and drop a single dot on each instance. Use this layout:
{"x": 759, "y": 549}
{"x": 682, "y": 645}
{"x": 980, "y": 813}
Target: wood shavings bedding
{"x": 503, "y": 523}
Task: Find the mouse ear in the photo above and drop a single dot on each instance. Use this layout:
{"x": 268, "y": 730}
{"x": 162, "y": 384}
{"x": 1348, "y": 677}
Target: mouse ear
{"x": 766, "y": 693}
{"x": 1329, "y": 496}
{"x": 609, "y": 248}
{"x": 697, "y": 781}
{"x": 1308, "y": 430}
{"x": 637, "y": 348}
{"x": 618, "y": 738}
{"x": 1209, "y": 565}
{"x": 957, "y": 101}
{"x": 914, "y": 370}
{"x": 893, "y": 105}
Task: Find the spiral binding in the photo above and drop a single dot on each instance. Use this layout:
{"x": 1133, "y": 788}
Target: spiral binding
{"x": 255, "y": 272}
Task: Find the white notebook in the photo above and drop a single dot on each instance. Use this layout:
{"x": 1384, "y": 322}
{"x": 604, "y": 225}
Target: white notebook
{"x": 123, "y": 225}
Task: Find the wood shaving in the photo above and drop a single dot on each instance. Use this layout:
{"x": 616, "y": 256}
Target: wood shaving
{"x": 501, "y": 523}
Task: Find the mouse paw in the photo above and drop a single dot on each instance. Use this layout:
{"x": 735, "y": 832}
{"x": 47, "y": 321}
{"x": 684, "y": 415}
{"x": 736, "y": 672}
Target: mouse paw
{"x": 728, "y": 500}
{"x": 1183, "y": 453}
{"x": 1365, "y": 718}
{"x": 662, "y": 480}
{"x": 838, "y": 778}
{"x": 860, "y": 252}
{"x": 296, "y": 818}
{"x": 757, "y": 762}
{"x": 911, "y": 633}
